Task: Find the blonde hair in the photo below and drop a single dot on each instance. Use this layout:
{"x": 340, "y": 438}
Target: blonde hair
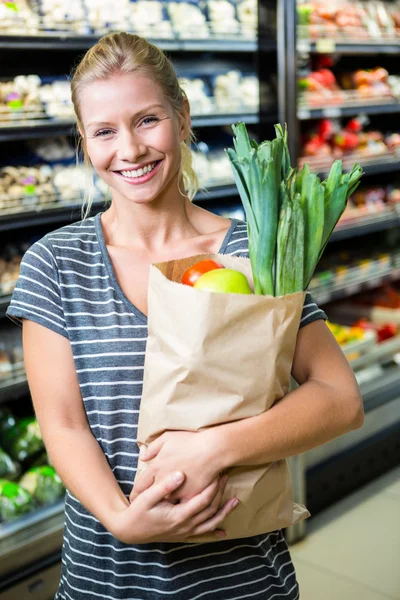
{"x": 128, "y": 53}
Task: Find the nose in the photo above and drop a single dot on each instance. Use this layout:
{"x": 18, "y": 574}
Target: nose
{"x": 130, "y": 147}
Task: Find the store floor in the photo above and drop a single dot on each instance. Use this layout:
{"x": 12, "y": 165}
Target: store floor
{"x": 352, "y": 550}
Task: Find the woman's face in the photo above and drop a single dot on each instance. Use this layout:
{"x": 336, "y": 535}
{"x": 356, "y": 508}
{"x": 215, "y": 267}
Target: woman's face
{"x": 132, "y": 136}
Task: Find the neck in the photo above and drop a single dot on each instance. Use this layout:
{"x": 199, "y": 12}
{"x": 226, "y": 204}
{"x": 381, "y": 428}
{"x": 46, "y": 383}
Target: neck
{"x": 150, "y": 227}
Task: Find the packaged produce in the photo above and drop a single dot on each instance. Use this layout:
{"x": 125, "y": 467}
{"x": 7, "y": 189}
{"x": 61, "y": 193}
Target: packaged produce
{"x": 43, "y": 484}
{"x": 7, "y": 421}
{"x": 9, "y": 469}
{"x": 196, "y": 381}
{"x": 14, "y": 501}
{"x": 24, "y": 440}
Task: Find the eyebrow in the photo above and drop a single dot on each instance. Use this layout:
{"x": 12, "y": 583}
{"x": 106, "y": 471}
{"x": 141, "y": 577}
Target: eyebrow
{"x": 141, "y": 112}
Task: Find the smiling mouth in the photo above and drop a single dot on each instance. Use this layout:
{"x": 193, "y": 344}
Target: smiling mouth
{"x": 136, "y": 173}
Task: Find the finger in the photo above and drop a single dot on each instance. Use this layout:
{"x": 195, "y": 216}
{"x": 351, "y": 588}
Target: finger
{"x": 149, "y": 452}
{"x": 160, "y": 489}
{"x": 199, "y": 502}
{"x": 142, "y": 483}
{"x": 213, "y": 508}
{"x": 217, "y": 519}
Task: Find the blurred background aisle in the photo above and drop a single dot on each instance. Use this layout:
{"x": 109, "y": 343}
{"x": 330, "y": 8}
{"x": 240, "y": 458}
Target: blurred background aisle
{"x": 352, "y": 549}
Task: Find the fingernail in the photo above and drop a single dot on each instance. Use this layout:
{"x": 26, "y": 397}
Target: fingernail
{"x": 235, "y": 502}
{"x": 177, "y": 477}
{"x": 221, "y": 535}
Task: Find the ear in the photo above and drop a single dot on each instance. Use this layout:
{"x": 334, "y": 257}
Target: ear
{"x": 185, "y": 124}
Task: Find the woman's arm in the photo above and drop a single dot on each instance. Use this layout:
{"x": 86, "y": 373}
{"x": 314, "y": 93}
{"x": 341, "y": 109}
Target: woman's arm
{"x": 74, "y": 452}
{"x": 82, "y": 465}
{"x": 326, "y": 404}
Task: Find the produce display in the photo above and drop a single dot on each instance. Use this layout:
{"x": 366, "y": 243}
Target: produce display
{"x": 10, "y": 260}
{"x": 43, "y": 484}
{"x": 225, "y": 93}
{"x": 322, "y": 87}
{"x": 14, "y": 501}
{"x": 32, "y": 97}
{"x": 346, "y": 268}
{"x": 356, "y": 22}
{"x": 329, "y": 139}
{"x": 27, "y": 481}
{"x": 9, "y": 469}
{"x": 372, "y": 200}
{"x": 24, "y": 440}
{"x": 150, "y": 18}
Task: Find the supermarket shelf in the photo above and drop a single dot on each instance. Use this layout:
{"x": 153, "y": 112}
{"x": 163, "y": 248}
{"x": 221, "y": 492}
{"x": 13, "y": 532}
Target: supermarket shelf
{"x": 38, "y": 128}
{"x": 13, "y": 389}
{"x": 4, "y": 302}
{"x": 214, "y": 193}
{"x": 326, "y": 45}
{"x": 60, "y": 41}
{"x": 357, "y": 226}
{"x": 67, "y": 212}
{"x": 31, "y": 537}
{"x": 228, "y": 119}
{"x": 373, "y": 165}
{"x": 331, "y": 112}
{"x": 359, "y": 284}
{"x": 378, "y": 354}
{"x": 46, "y": 127}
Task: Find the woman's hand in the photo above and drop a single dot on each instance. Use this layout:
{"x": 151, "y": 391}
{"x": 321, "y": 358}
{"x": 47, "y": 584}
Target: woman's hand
{"x": 152, "y": 518}
{"x": 194, "y": 453}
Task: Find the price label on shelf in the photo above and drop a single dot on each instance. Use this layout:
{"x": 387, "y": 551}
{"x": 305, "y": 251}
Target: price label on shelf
{"x": 323, "y": 298}
{"x": 303, "y": 46}
{"x": 331, "y": 112}
{"x": 325, "y": 46}
{"x": 303, "y": 114}
{"x": 354, "y": 289}
{"x": 373, "y": 283}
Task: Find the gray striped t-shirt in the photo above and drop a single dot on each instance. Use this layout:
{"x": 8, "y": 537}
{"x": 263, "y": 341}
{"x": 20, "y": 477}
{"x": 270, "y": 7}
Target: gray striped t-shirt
{"x": 67, "y": 284}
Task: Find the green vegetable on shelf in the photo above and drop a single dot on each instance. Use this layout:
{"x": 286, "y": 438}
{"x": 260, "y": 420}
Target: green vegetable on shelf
{"x": 43, "y": 484}
{"x": 24, "y": 441}
{"x": 290, "y": 213}
{"x": 9, "y": 469}
{"x": 14, "y": 501}
{"x": 7, "y": 421}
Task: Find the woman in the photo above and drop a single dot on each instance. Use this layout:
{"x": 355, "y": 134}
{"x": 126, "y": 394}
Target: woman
{"x": 82, "y": 298}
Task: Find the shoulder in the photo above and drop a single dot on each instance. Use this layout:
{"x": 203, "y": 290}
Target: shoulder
{"x": 74, "y": 235}
{"x": 236, "y": 241}
{"x": 62, "y": 241}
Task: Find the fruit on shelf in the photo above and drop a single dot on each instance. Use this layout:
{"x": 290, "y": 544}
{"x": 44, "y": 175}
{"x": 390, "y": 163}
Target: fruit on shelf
{"x": 330, "y": 138}
{"x": 383, "y": 332}
{"x": 345, "y": 335}
{"x": 355, "y": 21}
{"x": 225, "y": 281}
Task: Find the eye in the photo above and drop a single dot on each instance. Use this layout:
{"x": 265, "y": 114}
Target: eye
{"x": 149, "y": 120}
{"x": 102, "y": 132}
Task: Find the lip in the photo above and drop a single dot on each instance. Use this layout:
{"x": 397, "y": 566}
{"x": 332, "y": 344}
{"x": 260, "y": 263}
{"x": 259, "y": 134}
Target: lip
{"x": 143, "y": 178}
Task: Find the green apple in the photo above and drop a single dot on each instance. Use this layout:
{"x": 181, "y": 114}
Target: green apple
{"x": 225, "y": 281}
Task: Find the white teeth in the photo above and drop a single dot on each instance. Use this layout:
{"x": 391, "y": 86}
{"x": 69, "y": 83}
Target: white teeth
{"x": 138, "y": 172}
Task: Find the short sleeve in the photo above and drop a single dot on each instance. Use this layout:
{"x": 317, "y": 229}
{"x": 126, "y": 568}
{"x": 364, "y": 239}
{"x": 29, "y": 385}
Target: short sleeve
{"x": 311, "y": 312}
{"x": 37, "y": 295}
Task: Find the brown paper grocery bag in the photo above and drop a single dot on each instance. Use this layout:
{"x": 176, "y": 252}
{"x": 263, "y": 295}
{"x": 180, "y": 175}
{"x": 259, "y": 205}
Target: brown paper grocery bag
{"x": 213, "y": 358}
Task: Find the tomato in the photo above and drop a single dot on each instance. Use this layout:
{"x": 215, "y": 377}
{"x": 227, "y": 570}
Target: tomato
{"x": 193, "y": 273}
